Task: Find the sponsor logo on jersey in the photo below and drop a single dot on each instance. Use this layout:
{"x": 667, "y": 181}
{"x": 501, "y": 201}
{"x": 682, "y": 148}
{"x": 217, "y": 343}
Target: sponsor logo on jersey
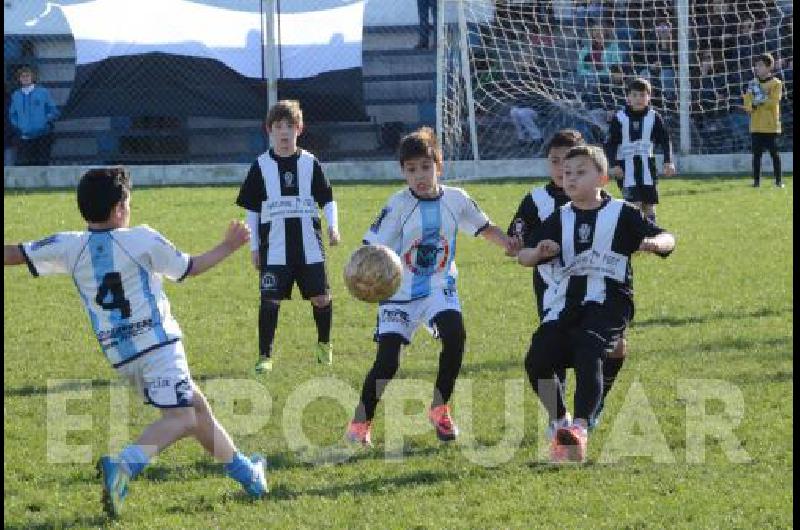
{"x": 426, "y": 259}
{"x": 397, "y": 316}
{"x": 125, "y": 331}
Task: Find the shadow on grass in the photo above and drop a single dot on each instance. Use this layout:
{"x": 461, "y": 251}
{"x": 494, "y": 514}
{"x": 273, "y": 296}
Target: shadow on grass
{"x": 84, "y": 521}
{"x": 710, "y": 317}
{"x": 365, "y": 487}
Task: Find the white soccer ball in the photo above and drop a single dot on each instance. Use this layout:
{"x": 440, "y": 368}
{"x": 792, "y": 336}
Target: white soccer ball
{"x": 373, "y": 273}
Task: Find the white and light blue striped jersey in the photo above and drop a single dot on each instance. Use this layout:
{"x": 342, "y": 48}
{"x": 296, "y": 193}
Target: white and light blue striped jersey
{"x": 118, "y": 274}
{"x": 423, "y": 233}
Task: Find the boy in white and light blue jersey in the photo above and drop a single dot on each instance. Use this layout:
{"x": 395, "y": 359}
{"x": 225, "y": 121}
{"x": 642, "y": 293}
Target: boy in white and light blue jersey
{"x": 420, "y": 224}
{"x": 118, "y": 273}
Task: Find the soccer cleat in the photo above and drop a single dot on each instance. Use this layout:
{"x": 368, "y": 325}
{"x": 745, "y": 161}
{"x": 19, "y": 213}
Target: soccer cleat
{"x": 756, "y": 184}
{"x": 324, "y": 353}
{"x": 440, "y": 418}
{"x": 115, "y": 485}
{"x": 572, "y": 441}
{"x": 555, "y": 425}
{"x": 359, "y": 432}
{"x": 263, "y": 365}
{"x": 257, "y": 487}
{"x": 780, "y": 185}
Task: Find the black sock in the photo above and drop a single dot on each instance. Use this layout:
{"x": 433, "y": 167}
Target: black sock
{"x": 323, "y": 317}
{"x": 383, "y": 369}
{"x": 450, "y": 327}
{"x": 611, "y": 367}
{"x": 267, "y": 322}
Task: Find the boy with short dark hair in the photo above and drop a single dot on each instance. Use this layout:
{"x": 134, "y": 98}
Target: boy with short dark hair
{"x": 537, "y": 206}
{"x": 762, "y": 101}
{"x": 282, "y": 193}
{"x": 633, "y": 133}
{"x": 118, "y": 273}
{"x": 590, "y": 302}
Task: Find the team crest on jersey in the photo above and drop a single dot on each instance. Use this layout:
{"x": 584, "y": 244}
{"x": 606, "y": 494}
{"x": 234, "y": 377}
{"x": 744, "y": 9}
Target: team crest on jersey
{"x": 636, "y": 125}
{"x": 584, "y": 231}
{"x": 268, "y": 281}
{"x": 288, "y": 179}
{"x": 426, "y": 259}
{"x": 519, "y": 227}
{"x": 36, "y": 245}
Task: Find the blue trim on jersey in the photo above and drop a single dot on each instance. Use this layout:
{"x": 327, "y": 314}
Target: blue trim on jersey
{"x": 155, "y": 316}
{"x": 101, "y": 247}
{"x": 92, "y": 315}
{"x": 431, "y": 221}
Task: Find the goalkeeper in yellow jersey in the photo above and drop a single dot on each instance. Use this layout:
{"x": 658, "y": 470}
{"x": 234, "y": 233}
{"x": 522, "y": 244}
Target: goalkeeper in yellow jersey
{"x": 762, "y": 101}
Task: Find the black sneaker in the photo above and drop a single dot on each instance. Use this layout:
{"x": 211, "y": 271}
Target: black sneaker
{"x": 756, "y": 184}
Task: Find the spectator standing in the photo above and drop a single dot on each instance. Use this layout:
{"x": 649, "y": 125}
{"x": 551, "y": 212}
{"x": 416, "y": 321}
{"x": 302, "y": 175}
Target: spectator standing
{"x": 427, "y": 18}
{"x": 596, "y": 58}
{"x": 32, "y": 113}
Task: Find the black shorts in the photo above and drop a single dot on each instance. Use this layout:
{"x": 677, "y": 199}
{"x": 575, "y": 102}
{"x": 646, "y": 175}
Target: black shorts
{"x": 591, "y": 330}
{"x": 277, "y": 280}
{"x": 642, "y": 193}
{"x": 764, "y": 142}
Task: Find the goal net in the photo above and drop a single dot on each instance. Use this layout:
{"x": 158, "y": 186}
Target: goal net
{"x": 512, "y": 72}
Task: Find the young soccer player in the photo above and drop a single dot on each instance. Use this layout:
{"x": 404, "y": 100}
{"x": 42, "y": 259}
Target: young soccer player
{"x": 537, "y": 206}
{"x": 590, "y": 303}
{"x": 762, "y": 101}
{"x": 118, "y": 273}
{"x": 420, "y": 223}
{"x": 632, "y": 134}
{"x": 281, "y": 194}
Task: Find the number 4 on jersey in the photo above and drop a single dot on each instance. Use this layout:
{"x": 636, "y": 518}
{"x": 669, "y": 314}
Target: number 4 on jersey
{"x": 112, "y": 284}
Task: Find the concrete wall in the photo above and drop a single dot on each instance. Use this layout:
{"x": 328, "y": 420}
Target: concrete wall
{"x": 205, "y": 174}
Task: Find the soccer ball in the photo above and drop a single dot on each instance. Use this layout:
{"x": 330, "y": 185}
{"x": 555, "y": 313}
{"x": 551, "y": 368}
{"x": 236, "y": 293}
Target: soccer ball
{"x": 373, "y": 273}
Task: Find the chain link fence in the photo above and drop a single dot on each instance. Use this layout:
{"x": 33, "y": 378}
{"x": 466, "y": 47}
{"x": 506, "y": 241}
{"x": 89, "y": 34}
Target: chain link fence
{"x": 188, "y": 81}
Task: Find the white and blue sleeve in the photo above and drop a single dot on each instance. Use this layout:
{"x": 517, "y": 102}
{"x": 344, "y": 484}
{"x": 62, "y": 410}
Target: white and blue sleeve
{"x": 164, "y": 257}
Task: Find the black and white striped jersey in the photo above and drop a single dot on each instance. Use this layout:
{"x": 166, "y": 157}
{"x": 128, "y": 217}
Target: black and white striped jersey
{"x": 287, "y": 193}
{"x": 535, "y": 207}
{"x": 594, "y": 263}
{"x": 632, "y": 137}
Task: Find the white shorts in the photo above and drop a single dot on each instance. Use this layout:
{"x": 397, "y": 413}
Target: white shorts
{"x": 161, "y": 377}
{"x": 405, "y": 318}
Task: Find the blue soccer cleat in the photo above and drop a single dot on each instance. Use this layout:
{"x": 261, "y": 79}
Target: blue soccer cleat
{"x": 257, "y": 486}
{"x": 115, "y": 485}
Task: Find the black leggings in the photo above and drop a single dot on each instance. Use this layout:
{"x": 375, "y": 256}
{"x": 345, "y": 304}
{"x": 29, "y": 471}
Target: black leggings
{"x": 450, "y": 327}
{"x": 765, "y": 142}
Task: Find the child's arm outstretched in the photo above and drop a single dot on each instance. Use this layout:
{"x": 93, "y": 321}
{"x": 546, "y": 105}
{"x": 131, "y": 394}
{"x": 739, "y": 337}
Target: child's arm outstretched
{"x": 661, "y": 244}
{"x": 12, "y": 255}
{"x": 236, "y": 235}
{"x": 544, "y": 250}
{"x": 510, "y": 244}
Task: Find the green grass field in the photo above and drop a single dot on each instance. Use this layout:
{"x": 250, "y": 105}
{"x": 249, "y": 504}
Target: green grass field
{"x": 719, "y": 312}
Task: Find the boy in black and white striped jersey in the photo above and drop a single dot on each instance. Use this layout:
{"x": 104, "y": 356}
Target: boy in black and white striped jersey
{"x": 282, "y": 194}
{"x": 590, "y": 302}
{"x": 632, "y": 134}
